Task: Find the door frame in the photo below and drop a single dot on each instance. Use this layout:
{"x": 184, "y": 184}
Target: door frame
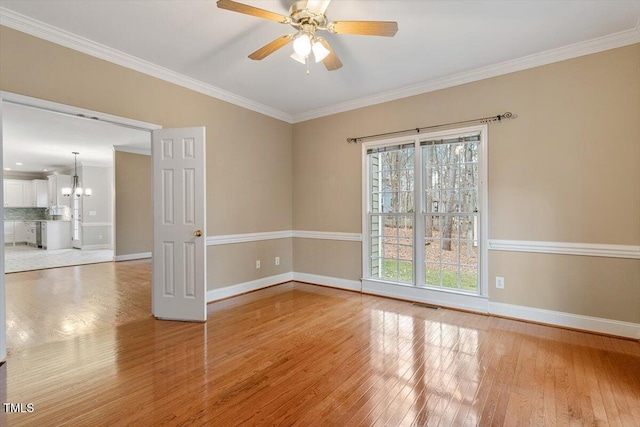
{"x": 57, "y": 108}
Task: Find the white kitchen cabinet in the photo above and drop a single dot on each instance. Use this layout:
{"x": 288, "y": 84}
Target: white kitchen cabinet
{"x": 17, "y": 193}
{"x": 56, "y": 184}
{"x": 40, "y": 193}
{"x": 20, "y": 231}
{"x": 15, "y": 232}
{"x": 9, "y": 233}
{"x": 56, "y": 235}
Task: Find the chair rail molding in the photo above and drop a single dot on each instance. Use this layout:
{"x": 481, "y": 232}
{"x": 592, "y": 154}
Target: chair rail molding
{"x": 566, "y": 248}
{"x": 228, "y": 239}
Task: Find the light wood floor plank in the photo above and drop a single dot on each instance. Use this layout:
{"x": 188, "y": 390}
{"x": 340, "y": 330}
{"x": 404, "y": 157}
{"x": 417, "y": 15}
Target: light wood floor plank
{"x": 85, "y": 351}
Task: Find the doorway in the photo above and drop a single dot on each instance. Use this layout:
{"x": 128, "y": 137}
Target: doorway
{"x": 60, "y": 169}
{"x": 77, "y": 230}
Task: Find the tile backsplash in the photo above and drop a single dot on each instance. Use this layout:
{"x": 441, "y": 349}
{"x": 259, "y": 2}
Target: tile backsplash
{"x": 17, "y": 214}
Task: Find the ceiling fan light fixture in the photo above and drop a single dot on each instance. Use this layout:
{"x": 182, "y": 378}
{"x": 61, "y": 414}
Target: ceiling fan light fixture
{"x": 302, "y": 45}
{"x": 319, "y": 51}
{"x": 300, "y": 59}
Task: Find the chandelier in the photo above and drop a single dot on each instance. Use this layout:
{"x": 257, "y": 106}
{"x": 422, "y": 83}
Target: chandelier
{"x": 77, "y": 189}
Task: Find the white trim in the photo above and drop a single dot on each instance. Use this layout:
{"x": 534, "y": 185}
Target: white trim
{"x": 65, "y": 38}
{"x": 96, "y": 224}
{"x": 130, "y": 257}
{"x": 566, "y": 248}
{"x": 40, "y": 29}
{"x": 69, "y": 109}
{"x": 333, "y": 282}
{"x": 611, "y": 41}
{"x": 241, "y": 288}
{"x": 124, "y": 149}
{"x": 364, "y": 182}
{"x": 228, "y": 239}
{"x": 93, "y": 247}
{"x": 483, "y": 205}
{"x": 327, "y": 235}
{"x": 3, "y": 307}
{"x": 469, "y": 302}
{"x": 569, "y": 320}
{"x": 248, "y": 237}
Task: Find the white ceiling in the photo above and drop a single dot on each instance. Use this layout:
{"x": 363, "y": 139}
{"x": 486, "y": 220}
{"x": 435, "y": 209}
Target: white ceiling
{"x": 41, "y": 140}
{"x": 436, "y": 40}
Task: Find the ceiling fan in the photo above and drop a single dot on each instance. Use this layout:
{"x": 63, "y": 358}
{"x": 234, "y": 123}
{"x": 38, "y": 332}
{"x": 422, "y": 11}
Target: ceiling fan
{"x": 307, "y": 17}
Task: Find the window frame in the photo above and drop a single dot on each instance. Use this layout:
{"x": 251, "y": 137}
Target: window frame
{"x": 420, "y": 211}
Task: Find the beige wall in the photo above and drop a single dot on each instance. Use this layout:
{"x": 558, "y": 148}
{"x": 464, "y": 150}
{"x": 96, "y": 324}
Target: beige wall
{"x": 331, "y": 258}
{"x": 243, "y": 257}
{"x": 567, "y": 169}
{"x": 590, "y": 286}
{"x": 248, "y": 154}
{"x": 134, "y": 206}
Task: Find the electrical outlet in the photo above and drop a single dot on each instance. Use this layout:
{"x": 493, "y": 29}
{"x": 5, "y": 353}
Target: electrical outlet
{"x": 99, "y": 236}
{"x": 277, "y": 260}
{"x": 499, "y": 282}
{"x": 92, "y": 213}
{"x": 258, "y": 263}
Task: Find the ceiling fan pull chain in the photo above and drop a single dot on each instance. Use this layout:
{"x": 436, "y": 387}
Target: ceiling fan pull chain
{"x": 306, "y": 61}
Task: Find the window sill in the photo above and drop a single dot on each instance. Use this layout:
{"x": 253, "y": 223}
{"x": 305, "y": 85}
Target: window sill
{"x": 440, "y": 297}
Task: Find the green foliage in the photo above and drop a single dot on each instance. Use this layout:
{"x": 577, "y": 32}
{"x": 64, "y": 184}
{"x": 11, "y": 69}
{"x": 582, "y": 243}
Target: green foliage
{"x": 391, "y": 268}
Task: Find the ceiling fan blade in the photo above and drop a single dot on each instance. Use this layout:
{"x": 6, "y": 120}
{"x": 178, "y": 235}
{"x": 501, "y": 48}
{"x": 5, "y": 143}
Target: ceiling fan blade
{"x": 318, "y": 6}
{"x": 253, "y": 11}
{"x": 269, "y": 48}
{"x": 364, "y": 28}
{"x": 331, "y": 61}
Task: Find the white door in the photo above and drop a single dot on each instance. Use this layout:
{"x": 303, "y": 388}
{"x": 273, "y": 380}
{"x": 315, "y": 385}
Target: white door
{"x": 179, "y": 229}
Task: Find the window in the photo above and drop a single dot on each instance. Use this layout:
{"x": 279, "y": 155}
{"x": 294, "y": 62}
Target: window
{"x": 391, "y": 213}
{"x": 75, "y": 214}
{"x": 423, "y": 207}
{"x": 450, "y": 170}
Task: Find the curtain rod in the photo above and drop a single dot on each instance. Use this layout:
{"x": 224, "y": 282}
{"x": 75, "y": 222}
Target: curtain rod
{"x": 498, "y": 118}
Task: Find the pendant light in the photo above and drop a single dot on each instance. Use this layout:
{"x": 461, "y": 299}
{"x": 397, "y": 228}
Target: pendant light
{"x": 77, "y": 189}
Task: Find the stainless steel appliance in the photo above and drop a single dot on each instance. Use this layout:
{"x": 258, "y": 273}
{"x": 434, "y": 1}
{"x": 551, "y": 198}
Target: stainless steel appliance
{"x": 38, "y": 234}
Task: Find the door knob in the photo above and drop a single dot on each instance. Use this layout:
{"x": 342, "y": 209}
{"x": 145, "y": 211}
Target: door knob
{"x": 197, "y": 233}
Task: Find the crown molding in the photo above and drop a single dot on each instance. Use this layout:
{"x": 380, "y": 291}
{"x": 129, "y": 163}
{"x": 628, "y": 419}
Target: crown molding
{"x": 42, "y": 30}
{"x": 65, "y": 38}
{"x": 611, "y": 41}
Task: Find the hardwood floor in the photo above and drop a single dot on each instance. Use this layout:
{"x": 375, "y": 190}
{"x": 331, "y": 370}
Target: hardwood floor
{"x": 298, "y": 354}
{"x": 62, "y": 303}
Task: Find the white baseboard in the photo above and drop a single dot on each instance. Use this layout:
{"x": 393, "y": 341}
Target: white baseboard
{"x": 130, "y": 257}
{"x": 241, "y": 288}
{"x": 92, "y": 247}
{"x": 430, "y": 296}
{"x": 334, "y": 282}
{"x": 441, "y": 298}
{"x": 568, "y": 320}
